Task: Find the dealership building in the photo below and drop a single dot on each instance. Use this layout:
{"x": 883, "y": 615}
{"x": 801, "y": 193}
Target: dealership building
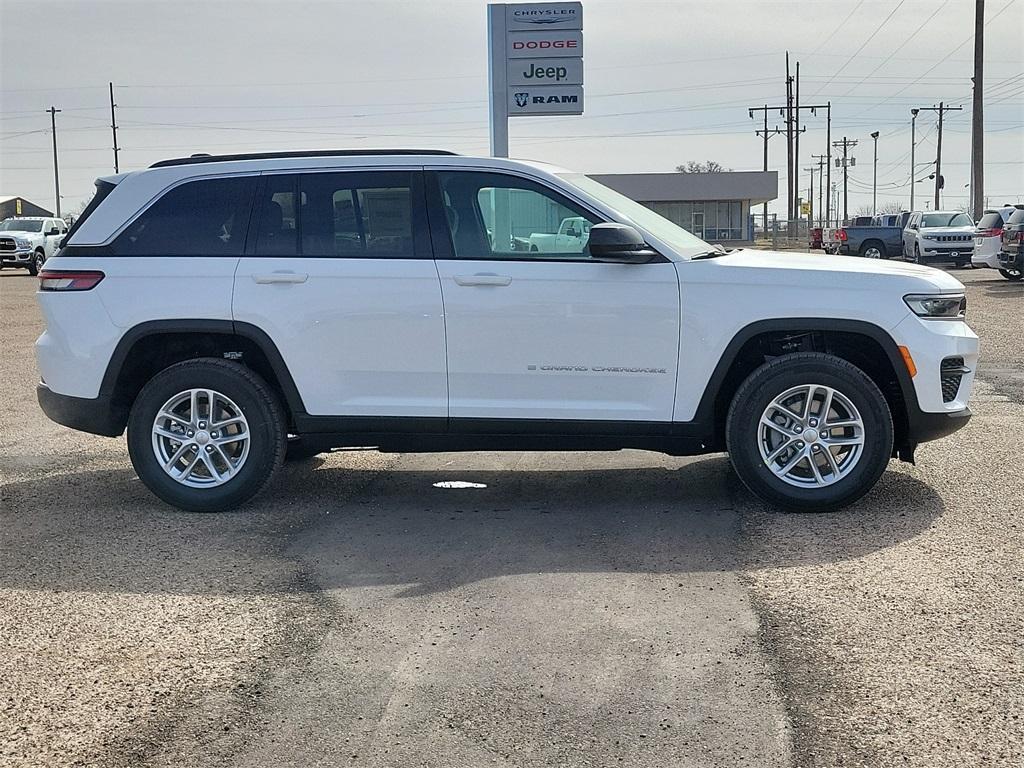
{"x": 714, "y": 206}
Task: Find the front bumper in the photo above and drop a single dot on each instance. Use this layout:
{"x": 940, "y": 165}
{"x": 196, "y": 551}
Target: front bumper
{"x": 98, "y": 416}
{"x": 16, "y": 258}
{"x": 947, "y": 252}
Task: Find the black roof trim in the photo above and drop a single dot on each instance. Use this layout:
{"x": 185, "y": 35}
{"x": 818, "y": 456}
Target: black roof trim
{"x": 195, "y": 159}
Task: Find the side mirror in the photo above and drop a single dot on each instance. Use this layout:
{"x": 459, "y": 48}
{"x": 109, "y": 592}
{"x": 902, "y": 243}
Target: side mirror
{"x": 616, "y": 243}
{"x": 53, "y": 231}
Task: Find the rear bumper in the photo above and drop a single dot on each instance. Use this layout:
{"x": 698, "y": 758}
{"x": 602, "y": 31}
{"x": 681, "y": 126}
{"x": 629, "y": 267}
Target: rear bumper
{"x": 97, "y": 416}
{"x": 1011, "y": 260}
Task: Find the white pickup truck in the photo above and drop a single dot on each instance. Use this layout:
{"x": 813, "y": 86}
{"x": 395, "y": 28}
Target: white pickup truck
{"x": 571, "y": 237}
{"x": 29, "y": 241}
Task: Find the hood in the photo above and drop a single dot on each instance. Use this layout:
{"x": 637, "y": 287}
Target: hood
{"x": 18, "y": 233}
{"x": 835, "y": 272}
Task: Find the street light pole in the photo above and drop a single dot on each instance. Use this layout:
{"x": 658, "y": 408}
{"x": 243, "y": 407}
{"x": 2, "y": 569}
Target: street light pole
{"x": 874, "y": 178}
{"x": 913, "y": 146}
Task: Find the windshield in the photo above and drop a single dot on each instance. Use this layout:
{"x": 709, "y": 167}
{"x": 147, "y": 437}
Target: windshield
{"x": 946, "y": 220}
{"x": 671, "y": 234}
{"x": 21, "y": 225}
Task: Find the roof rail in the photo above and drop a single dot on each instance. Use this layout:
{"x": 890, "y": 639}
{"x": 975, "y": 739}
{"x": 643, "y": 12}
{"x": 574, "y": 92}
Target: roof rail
{"x": 203, "y": 158}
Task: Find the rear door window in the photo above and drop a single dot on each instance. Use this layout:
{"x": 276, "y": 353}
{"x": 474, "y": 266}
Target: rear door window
{"x": 208, "y": 217}
{"x": 358, "y": 214}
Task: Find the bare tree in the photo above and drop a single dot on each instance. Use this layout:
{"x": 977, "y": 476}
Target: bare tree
{"x": 711, "y": 166}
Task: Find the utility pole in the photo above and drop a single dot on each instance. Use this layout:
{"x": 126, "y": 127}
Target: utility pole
{"x": 113, "y": 126}
{"x": 846, "y": 162}
{"x": 978, "y": 115}
{"x": 796, "y": 140}
{"x": 765, "y": 134}
{"x": 942, "y": 109}
{"x": 789, "y": 144}
{"x": 874, "y": 178}
{"x": 828, "y": 166}
{"x": 913, "y": 146}
{"x": 822, "y": 162}
{"x": 56, "y": 175}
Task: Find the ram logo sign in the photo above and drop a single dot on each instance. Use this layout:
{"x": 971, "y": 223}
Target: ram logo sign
{"x": 547, "y": 100}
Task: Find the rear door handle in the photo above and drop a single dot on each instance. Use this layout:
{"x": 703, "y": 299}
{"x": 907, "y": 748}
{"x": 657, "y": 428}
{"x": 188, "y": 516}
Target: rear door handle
{"x": 280, "y": 277}
{"x": 482, "y": 279}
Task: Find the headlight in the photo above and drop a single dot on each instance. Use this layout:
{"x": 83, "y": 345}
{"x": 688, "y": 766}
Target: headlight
{"x": 21, "y": 242}
{"x": 950, "y": 306}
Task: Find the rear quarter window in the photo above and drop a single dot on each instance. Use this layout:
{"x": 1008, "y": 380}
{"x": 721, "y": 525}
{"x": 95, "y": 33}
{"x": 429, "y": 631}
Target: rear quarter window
{"x": 207, "y": 217}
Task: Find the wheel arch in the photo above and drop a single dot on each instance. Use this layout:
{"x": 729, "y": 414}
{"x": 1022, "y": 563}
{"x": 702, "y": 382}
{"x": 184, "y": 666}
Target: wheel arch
{"x": 861, "y": 343}
{"x": 149, "y": 347}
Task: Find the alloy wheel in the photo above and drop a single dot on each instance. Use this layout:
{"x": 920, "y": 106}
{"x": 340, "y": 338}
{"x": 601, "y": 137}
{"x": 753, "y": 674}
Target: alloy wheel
{"x": 201, "y": 438}
{"x": 811, "y": 436}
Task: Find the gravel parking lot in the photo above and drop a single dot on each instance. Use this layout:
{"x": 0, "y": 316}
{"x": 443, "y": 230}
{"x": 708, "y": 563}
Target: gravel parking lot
{"x": 574, "y": 610}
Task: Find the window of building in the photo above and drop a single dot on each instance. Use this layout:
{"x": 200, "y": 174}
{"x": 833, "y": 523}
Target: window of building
{"x": 711, "y": 220}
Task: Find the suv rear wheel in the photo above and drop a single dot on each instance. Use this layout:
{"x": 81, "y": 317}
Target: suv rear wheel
{"x": 1011, "y": 274}
{"x": 809, "y": 432}
{"x": 206, "y": 435}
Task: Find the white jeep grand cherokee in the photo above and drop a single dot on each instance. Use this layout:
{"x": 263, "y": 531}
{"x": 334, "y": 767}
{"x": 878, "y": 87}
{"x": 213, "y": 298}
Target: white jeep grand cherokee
{"x": 229, "y": 310}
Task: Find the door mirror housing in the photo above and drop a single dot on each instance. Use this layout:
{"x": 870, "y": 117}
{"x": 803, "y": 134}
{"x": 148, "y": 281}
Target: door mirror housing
{"x": 53, "y": 231}
{"x": 618, "y": 244}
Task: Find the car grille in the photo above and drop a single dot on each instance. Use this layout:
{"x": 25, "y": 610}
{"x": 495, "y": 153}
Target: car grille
{"x": 951, "y": 372}
{"x": 7, "y": 244}
{"x": 953, "y": 238}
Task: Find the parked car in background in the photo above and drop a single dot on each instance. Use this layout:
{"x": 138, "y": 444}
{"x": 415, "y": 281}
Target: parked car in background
{"x": 870, "y": 241}
{"x": 939, "y": 236}
{"x": 29, "y": 241}
{"x": 815, "y": 239}
{"x": 988, "y": 238}
{"x": 1011, "y": 257}
{"x": 571, "y": 237}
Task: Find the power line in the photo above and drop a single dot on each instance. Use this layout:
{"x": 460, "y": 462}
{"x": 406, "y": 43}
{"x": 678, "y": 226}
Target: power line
{"x": 862, "y": 46}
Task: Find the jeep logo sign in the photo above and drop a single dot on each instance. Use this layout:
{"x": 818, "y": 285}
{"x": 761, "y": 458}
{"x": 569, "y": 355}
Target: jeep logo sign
{"x": 545, "y": 72}
{"x": 546, "y": 100}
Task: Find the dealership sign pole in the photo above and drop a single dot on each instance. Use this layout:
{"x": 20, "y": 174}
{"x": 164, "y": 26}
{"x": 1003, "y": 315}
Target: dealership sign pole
{"x": 535, "y": 63}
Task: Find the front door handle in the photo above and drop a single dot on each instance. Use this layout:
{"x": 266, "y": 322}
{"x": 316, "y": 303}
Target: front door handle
{"x": 280, "y": 277}
{"x": 483, "y": 279}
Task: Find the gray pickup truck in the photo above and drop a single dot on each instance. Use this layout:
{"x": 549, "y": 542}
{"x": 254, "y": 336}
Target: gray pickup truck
{"x": 881, "y": 239}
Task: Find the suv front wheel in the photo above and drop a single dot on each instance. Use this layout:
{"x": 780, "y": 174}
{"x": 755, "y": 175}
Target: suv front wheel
{"x": 809, "y": 432}
{"x": 206, "y": 435}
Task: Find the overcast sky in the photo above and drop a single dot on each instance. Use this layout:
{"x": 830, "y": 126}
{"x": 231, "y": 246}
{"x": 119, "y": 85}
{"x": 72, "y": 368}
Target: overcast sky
{"x": 665, "y": 83}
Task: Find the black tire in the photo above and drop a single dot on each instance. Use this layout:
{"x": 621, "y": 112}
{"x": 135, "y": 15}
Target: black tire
{"x": 917, "y": 255}
{"x": 36, "y": 264}
{"x": 793, "y": 370}
{"x": 258, "y": 404}
{"x": 1011, "y": 274}
{"x": 872, "y": 249}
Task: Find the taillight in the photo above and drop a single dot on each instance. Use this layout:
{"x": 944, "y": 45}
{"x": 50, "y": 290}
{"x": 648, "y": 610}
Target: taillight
{"x": 841, "y": 234}
{"x": 989, "y": 232}
{"x": 68, "y": 280}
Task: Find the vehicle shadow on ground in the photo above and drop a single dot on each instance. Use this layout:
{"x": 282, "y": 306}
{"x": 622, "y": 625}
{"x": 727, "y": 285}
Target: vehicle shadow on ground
{"x": 1004, "y": 288}
{"x": 103, "y": 531}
